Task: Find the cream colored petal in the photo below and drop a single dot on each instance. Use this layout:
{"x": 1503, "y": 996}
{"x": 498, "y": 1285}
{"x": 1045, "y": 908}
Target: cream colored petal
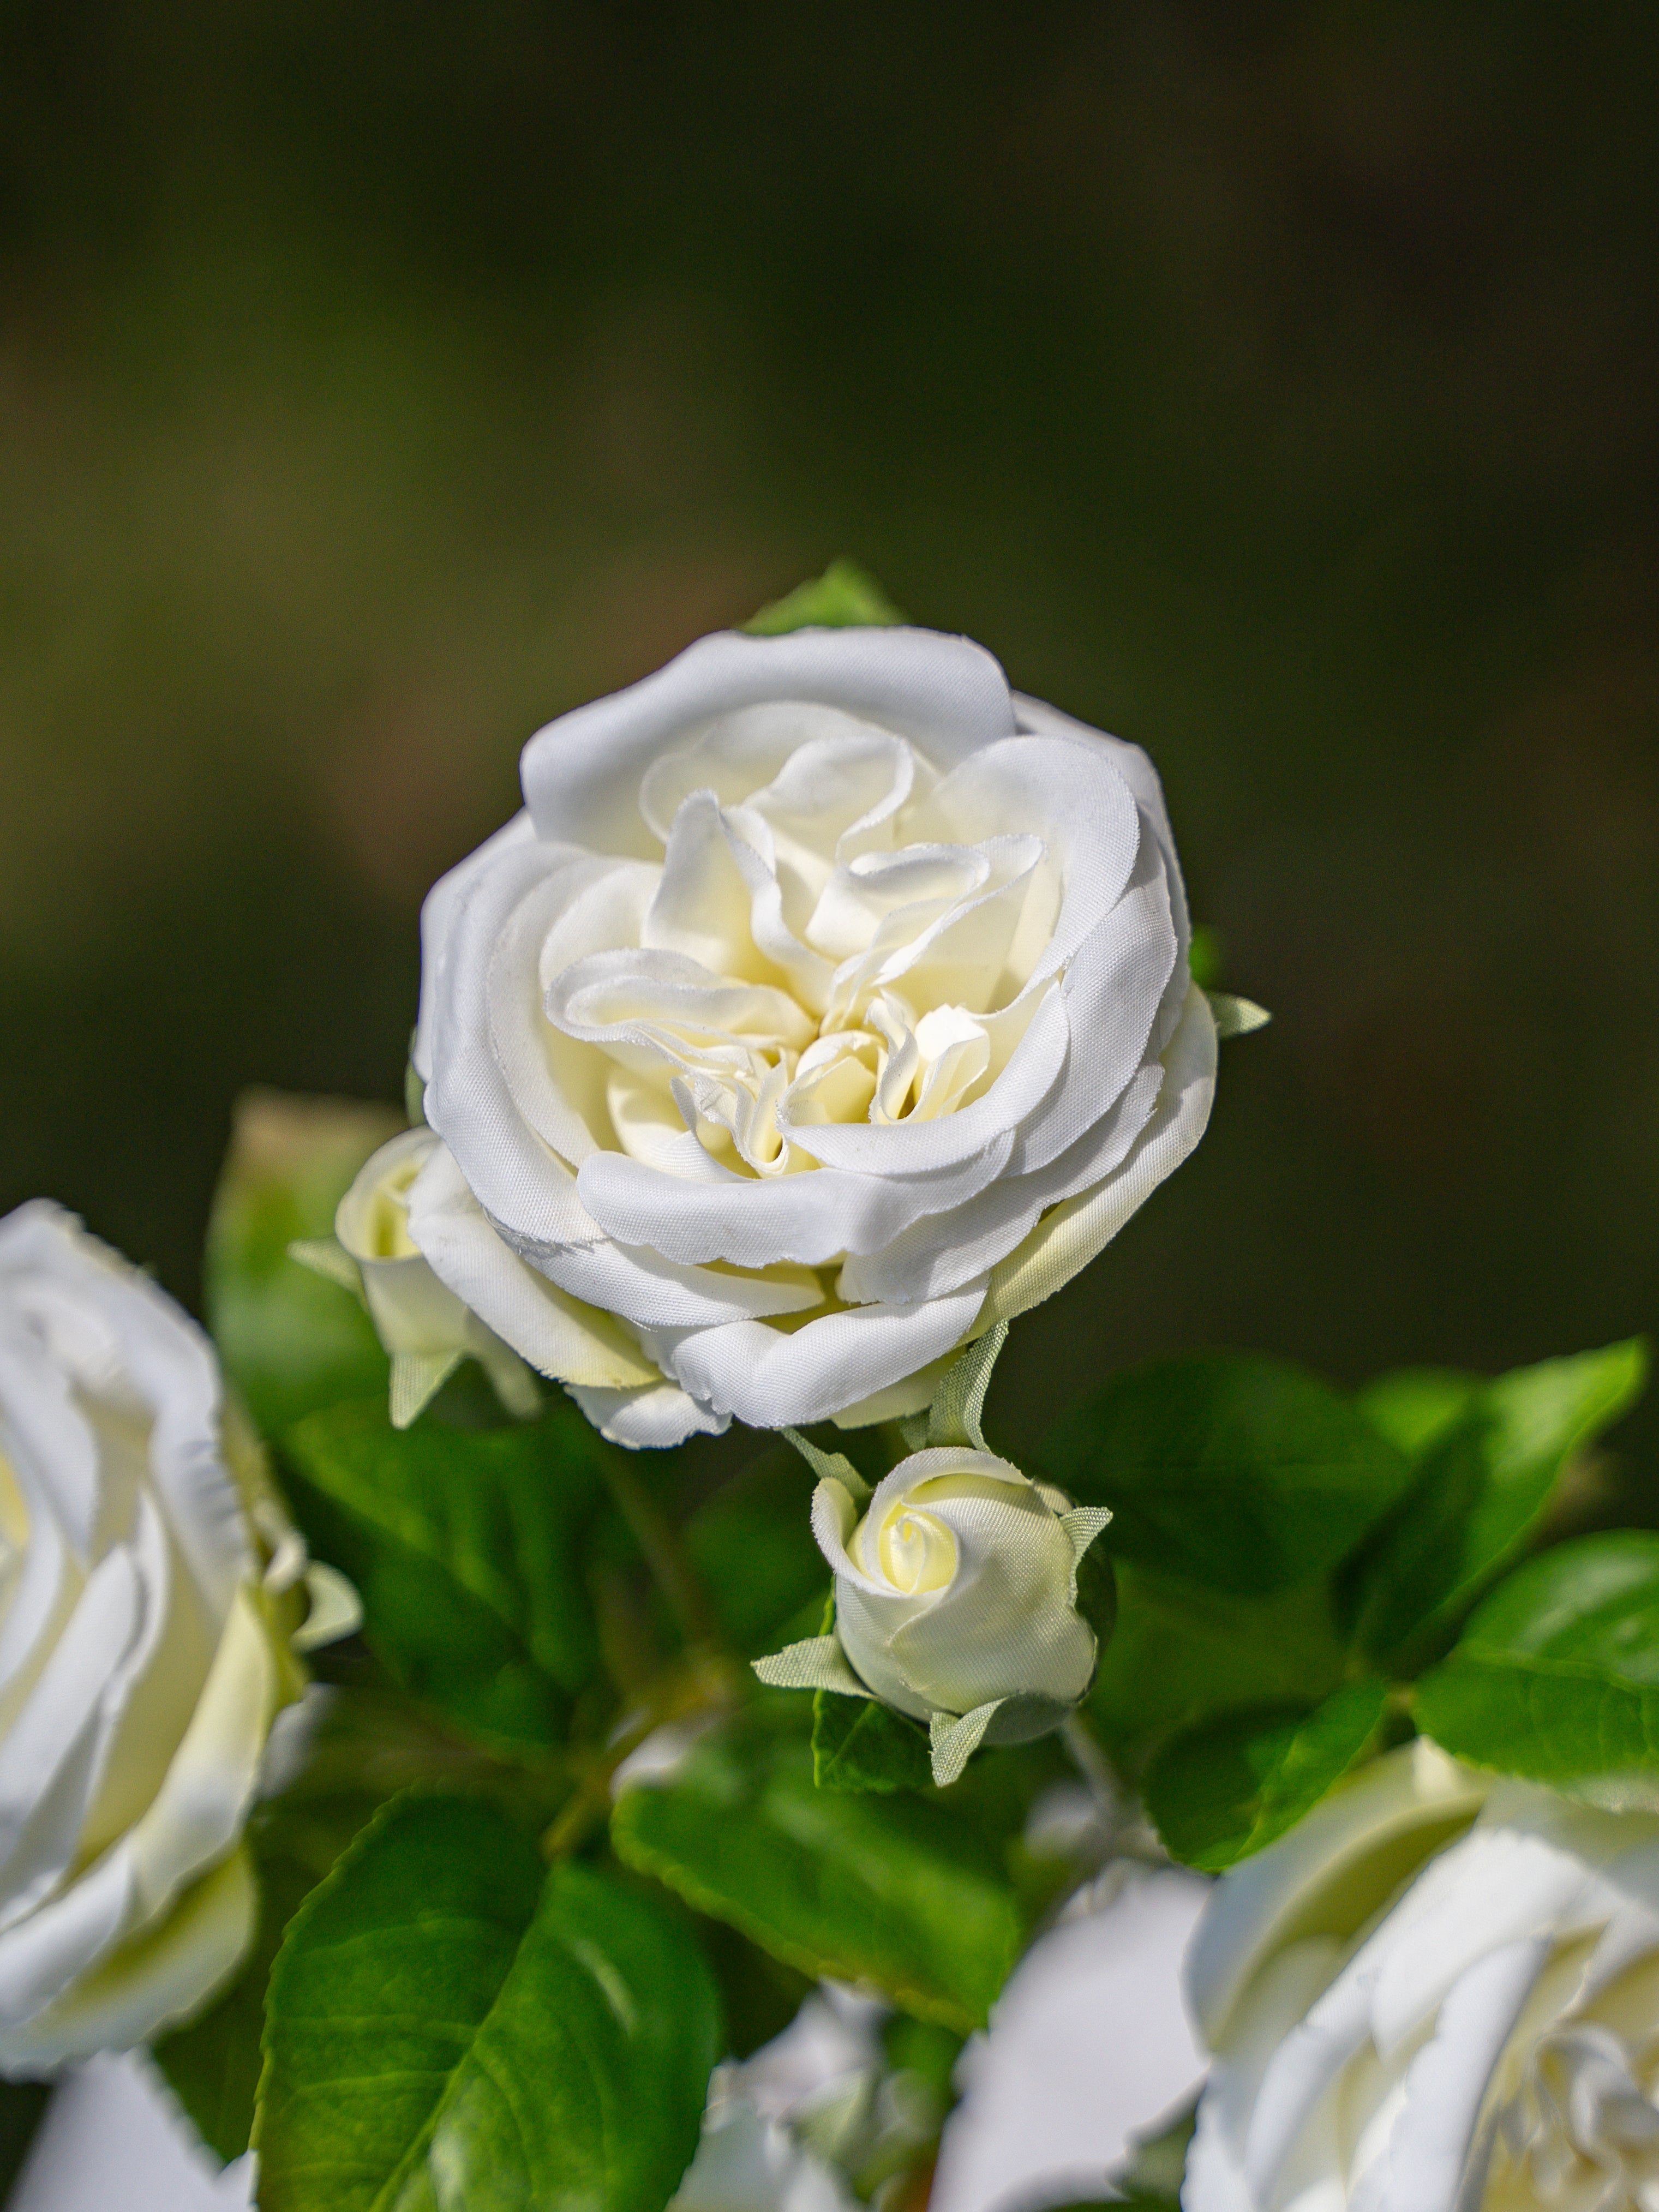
{"x": 154, "y": 1982}
{"x": 1065, "y": 1241}
{"x": 556, "y": 1333}
{"x": 649, "y": 1419}
{"x": 1333, "y": 1868}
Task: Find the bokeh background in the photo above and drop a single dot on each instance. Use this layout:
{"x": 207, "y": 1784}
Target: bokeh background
{"x": 1273, "y": 385}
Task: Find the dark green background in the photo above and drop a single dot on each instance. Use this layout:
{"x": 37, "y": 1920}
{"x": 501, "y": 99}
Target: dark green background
{"x": 1273, "y": 386}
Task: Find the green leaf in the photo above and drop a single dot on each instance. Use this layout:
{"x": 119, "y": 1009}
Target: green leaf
{"x": 860, "y": 1744}
{"x": 842, "y": 598}
{"x": 1181, "y": 1651}
{"x": 1241, "y": 1475}
{"x": 1484, "y": 1478}
{"x": 759, "y": 1994}
{"x": 447, "y": 2028}
{"x": 1414, "y": 1405}
{"x": 752, "y": 1547}
{"x": 466, "y": 1546}
{"x": 212, "y": 2064}
{"x": 1227, "y": 1788}
{"x": 290, "y": 1341}
{"x": 903, "y": 1892}
{"x": 1557, "y": 1675}
{"x": 369, "y": 1746}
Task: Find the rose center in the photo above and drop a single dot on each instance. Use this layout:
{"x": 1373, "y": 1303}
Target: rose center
{"x": 915, "y": 1553}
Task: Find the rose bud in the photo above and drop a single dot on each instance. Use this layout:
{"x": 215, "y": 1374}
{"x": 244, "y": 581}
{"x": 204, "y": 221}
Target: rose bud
{"x": 955, "y": 1599}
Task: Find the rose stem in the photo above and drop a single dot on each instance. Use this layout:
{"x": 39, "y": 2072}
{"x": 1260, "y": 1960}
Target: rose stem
{"x": 664, "y": 1553}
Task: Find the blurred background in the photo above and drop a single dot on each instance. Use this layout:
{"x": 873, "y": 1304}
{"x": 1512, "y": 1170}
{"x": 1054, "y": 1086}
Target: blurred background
{"x": 1275, "y": 386}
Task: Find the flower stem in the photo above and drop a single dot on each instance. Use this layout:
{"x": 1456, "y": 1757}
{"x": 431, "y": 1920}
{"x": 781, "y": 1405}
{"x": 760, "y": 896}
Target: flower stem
{"x": 696, "y": 1689}
{"x": 664, "y": 1553}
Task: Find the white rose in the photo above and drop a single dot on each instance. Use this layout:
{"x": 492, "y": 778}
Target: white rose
{"x": 146, "y": 1588}
{"x": 955, "y": 1599}
{"x": 827, "y": 1004}
{"x": 1417, "y": 2014}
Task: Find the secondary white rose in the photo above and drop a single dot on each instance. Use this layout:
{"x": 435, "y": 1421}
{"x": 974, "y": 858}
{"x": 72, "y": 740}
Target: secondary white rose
{"x": 827, "y": 1004}
{"x": 1417, "y": 2014}
{"x": 147, "y": 1586}
{"x": 955, "y": 1599}
{"x": 425, "y": 1328}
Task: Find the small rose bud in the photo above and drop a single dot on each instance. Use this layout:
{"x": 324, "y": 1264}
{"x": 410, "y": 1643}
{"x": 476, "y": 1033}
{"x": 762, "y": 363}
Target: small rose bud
{"x": 955, "y": 1599}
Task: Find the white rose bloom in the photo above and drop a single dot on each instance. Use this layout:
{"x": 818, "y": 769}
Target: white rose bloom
{"x": 778, "y": 2122}
{"x": 146, "y": 1589}
{"x": 955, "y": 1599}
{"x": 827, "y": 1004}
{"x": 1414, "y": 2014}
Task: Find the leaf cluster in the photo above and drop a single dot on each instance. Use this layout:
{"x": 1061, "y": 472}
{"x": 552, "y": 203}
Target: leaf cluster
{"x": 1304, "y": 1578}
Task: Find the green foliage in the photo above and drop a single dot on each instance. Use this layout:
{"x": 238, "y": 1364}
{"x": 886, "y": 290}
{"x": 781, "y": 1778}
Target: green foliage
{"x": 467, "y": 1548}
{"x": 861, "y": 1744}
{"x": 752, "y": 1545}
{"x": 213, "y": 2063}
{"x": 1488, "y": 1456}
{"x": 1245, "y": 1475}
{"x": 289, "y": 1341}
{"x": 1204, "y": 957}
{"x": 1181, "y": 1651}
{"x": 22, "y": 2108}
{"x": 1412, "y": 1406}
{"x": 1557, "y": 1675}
{"x": 900, "y": 1891}
{"x": 1228, "y": 1787}
{"x": 842, "y": 598}
{"x": 759, "y": 1994}
{"x": 446, "y": 2027}
{"x": 368, "y": 1747}
{"x": 1154, "y": 2177}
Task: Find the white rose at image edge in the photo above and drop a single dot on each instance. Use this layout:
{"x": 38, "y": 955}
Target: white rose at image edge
{"x": 827, "y": 1004}
{"x": 140, "y": 1667}
{"x": 1475, "y": 2026}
